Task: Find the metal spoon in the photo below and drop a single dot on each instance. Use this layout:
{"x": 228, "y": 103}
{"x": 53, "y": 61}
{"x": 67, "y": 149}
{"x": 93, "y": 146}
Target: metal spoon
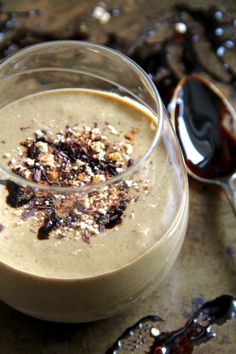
{"x": 205, "y": 123}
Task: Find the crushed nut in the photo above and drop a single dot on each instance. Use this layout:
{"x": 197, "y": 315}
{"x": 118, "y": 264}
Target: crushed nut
{"x": 75, "y": 157}
{"x": 97, "y": 146}
{"x": 47, "y": 159}
{"x": 112, "y": 129}
{"x": 79, "y": 163}
{"x": 129, "y": 183}
{"x": 114, "y": 156}
{"x": 128, "y": 149}
{"x": 99, "y": 178}
{"x": 131, "y": 135}
{"x": 39, "y": 133}
{"x": 43, "y": 147}
{"x": 30, "y": 162}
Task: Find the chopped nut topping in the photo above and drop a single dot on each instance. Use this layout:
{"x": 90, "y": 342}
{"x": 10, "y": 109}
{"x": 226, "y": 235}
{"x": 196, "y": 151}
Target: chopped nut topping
{"x": 47, "y": 159}
{"x": 29, "y": 161}
{"x": 128, "y": 149}
{"x": 85, "y": 202}
{"x": 53, "y": 175}
{"x": 79, "y": 163}
{"x": 39, "y": 133}
{"x": 99, "y": 178}
{"x": 129, "y": 183}
{"x": 131, "y": 135}
{"x": 75, "y": 157}
{"x": 43, "y": 147}
{"x": 112, "y": 129}
{"x": 97, "y": 146}
{"x": 114, "y": 156}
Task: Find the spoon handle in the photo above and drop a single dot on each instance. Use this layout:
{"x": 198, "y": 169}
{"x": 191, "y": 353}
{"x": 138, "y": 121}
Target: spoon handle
{"x": 229, "y": 186}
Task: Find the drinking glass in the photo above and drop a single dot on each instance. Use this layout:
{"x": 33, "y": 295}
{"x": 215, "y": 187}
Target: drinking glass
{"x": 50, "y": 289}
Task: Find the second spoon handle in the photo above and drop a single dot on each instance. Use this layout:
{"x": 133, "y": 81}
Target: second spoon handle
{"x": 229, "y": 186}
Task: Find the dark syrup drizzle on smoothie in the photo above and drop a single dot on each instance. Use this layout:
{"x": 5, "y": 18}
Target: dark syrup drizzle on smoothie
{"x": 145, "y": 336}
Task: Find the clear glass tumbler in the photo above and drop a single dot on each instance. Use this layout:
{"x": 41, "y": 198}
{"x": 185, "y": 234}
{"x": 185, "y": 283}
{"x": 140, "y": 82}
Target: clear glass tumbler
{"x": 62, "y": 256}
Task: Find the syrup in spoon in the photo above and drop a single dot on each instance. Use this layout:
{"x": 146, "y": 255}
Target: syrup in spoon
{"x": 205, "y": 123}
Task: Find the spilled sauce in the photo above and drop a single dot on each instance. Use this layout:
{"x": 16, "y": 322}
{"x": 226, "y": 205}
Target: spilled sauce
{"x": 145, "y": 337}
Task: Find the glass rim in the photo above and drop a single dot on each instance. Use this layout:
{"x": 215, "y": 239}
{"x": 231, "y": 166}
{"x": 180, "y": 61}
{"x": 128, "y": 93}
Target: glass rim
{"x": 130, "y": 169}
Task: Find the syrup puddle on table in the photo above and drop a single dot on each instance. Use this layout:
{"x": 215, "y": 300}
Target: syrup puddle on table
{"x": 146, "y": 337}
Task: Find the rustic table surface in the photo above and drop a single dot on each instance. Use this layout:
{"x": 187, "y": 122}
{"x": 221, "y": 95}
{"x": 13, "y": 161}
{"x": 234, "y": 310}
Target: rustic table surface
{"x": 205, "y": 269}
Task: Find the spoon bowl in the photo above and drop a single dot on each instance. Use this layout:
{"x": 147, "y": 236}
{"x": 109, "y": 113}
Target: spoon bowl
{"x": 205, "y": 124}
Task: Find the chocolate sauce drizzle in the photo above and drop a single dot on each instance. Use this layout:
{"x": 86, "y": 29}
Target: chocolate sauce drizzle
{"x": 145, "y": 337}
{"x": 19, "y": 196}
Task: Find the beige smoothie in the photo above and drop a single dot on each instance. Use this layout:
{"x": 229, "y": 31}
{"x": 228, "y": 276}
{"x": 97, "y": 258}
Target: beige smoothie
{"x": 75, "y": 257}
